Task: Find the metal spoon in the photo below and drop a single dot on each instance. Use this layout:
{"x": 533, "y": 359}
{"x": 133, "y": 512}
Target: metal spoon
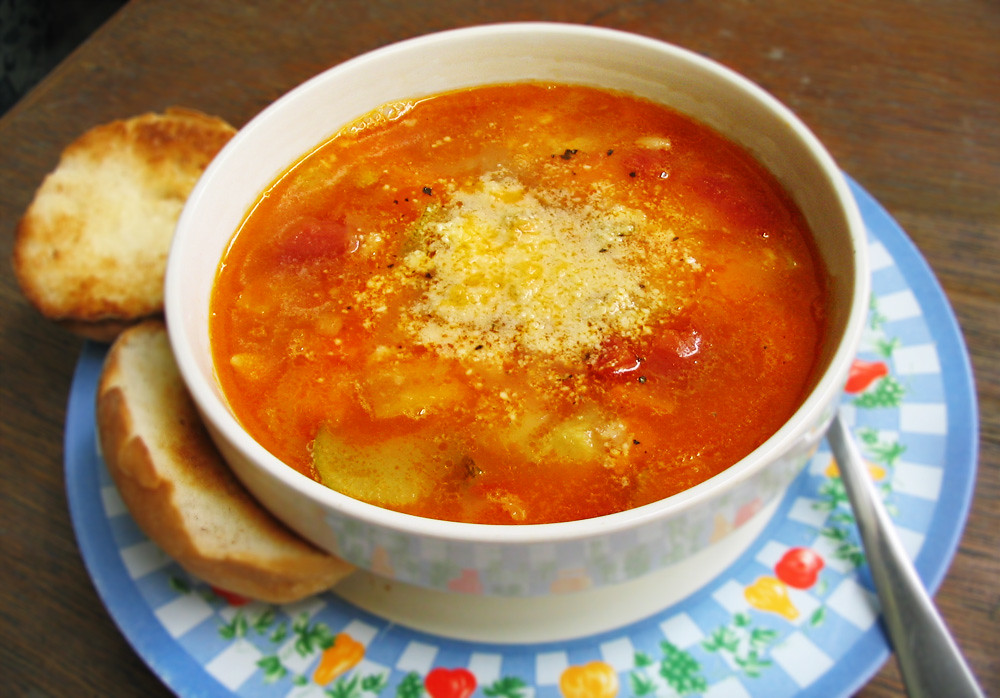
{"x": 929, "y": 660}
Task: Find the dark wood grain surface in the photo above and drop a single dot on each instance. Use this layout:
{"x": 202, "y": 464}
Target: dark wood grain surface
{"x": 906, "y": 95}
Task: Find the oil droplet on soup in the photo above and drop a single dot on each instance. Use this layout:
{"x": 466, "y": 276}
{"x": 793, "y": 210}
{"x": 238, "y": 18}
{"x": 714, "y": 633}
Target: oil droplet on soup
{"x": 519, "y": 303}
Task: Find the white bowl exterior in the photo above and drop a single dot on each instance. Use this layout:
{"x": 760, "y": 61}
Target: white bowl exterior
{"x": 515, "y": 560}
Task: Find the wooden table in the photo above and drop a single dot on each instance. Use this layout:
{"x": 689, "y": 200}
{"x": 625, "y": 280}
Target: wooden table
{"x": 906, "y": 95}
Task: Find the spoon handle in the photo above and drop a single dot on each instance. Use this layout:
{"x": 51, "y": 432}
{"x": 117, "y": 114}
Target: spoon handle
{"x": 929, "y": 660}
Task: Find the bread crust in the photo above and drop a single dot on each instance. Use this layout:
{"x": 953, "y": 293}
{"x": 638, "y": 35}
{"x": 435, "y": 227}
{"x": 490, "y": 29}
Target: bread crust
{"x": 180, "y": 491}
{"x": 91, "y": 248}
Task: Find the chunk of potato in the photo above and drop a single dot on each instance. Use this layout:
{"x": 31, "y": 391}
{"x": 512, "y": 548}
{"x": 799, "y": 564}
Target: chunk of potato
{"x": 410, "y": 389}
{"x": 251, "y": 365}
{"x": 575, "y": 438}
{"x": 586, "y": 435}
{"x": 520, "y": 433}
{"x": 393, "y": 473}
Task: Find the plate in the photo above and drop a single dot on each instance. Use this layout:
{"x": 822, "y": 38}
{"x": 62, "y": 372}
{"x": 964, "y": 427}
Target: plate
{"x": 758, "y": 628}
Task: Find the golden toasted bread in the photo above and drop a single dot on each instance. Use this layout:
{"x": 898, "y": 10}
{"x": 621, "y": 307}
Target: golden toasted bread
{"x": 91, "y": 249}
{"x": 179, "y": 490}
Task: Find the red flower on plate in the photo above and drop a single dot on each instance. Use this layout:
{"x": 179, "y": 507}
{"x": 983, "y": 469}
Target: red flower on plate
{"x": 450, "y": 683}
{"x": 799, "y": 567}
{"x": 863, "y": 373}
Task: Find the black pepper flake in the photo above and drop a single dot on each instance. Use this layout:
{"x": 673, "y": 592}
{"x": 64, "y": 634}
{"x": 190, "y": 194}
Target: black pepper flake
{"x": 428, "y": 191}
{"x": 395, "y": 201}
{"x": 603, "y": 249}
{"x": 631, "y": 174}
{"x": 676, "y": 238}
{"x": 610, "y": 151}
{"x": 568, "y": 154}
{"x": 427, "y": 275}
{"x": 635, "y": 441}
{"x": 478, "y": 347}
{"x": 642, "y": 379}
{"x": 390, "y": 266}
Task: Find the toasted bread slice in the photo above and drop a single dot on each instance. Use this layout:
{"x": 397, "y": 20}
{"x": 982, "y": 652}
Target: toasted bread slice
{"x": 91, "y": 249}
{"x": 179, "y": 490}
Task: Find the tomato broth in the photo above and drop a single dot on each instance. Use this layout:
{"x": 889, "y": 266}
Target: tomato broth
{"x": 519, "y": 303}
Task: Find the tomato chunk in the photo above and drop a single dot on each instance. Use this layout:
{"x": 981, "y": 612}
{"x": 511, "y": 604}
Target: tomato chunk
{"x": 618, "y": 359}
{"x": 667, "y": 352}
{"x": 312, "y": 239}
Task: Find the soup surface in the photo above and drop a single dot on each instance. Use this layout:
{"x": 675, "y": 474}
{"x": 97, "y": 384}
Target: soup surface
{"x": 519, "y": 303}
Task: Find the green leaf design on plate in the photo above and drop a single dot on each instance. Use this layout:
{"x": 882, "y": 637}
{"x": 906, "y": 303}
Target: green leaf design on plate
{"x": 412, "y": 686}
{"x": 234, "y": 629}
{"x": 680, "y": 670}
{"x": 507, "y": 687}
{"x": 272, "y": 668}
{"x": 745, "y": 644}
{"x": 888, "y": 392}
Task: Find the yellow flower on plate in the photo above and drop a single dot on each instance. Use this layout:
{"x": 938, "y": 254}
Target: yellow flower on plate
{"x": 594, "y": 680}
{"x": 771, "y": 594}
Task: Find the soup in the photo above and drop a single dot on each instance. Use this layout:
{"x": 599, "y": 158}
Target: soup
{"x": 520, "y": 303}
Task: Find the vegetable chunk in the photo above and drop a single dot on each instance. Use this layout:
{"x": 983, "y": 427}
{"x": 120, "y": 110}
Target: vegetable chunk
{"x": 392, "y": 473}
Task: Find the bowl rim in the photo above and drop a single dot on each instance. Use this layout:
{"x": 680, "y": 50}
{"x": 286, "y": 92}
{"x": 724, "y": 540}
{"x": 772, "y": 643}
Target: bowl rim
{"x": 809, "y": 413}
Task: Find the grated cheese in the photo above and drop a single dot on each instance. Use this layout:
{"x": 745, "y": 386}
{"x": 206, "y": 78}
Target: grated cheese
{"x": 515, "y": 270}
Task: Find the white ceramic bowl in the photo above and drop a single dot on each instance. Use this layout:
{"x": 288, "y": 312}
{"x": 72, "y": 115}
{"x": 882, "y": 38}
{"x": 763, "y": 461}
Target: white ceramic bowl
{"x": 537, "y": 559}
